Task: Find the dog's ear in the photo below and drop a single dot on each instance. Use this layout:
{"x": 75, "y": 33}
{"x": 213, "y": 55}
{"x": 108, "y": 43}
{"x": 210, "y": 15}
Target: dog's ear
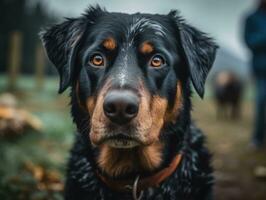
{"x": 62, "y": 42}
{"x": 199, "y": 51}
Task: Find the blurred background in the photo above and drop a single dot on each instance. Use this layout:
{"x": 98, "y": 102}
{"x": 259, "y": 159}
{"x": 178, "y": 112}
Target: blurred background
{"x": 36, "y": 131}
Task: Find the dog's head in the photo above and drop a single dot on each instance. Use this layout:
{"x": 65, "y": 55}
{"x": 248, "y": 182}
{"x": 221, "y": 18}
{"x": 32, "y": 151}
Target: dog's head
{"x": 129, "y": 72}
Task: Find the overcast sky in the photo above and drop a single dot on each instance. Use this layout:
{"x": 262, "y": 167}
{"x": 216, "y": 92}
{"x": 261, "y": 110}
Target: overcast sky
{"x": 223, "y": 19}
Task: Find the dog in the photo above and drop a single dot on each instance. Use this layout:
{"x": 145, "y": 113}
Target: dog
{"x": 228, "y": 94}
{"x": 130, "y": 77}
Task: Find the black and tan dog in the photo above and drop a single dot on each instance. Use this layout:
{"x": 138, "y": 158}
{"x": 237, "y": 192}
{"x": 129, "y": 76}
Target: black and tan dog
{"x": 130, "y": 78}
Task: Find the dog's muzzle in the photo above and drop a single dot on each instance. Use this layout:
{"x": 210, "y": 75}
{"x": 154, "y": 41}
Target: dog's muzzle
{"x": 121, "y": 107}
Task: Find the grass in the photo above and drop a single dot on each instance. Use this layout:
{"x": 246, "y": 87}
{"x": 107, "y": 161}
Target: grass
{"x": 33, "y": 165}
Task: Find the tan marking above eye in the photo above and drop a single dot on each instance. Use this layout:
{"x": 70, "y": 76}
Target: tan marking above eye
{"x": 97, "y": 60}
{"x": 157, "y": 61}
{"x": 109, "y": 43}
{"x": 146, "y": 47}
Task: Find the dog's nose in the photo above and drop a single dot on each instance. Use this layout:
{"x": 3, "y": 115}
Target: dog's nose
{"x": 121, "y": 106}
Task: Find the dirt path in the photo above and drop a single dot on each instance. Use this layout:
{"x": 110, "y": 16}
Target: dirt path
{"x": 233, "y": 161}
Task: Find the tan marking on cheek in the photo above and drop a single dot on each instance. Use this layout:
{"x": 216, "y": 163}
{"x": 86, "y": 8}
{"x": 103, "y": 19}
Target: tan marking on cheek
{"x": 90, "y": 105}
{"x": 150, "y": 118}
{"x": 158, "y": 110}
{"x": 143, "y": 118}
{"x": 109, "y": 43}
{"x": 98, "y": 119}
{"x": 146, "y": 47}
{"x": 173, "y": 113}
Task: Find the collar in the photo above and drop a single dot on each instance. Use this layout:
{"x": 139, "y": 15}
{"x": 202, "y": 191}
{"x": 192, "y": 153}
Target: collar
{"x": 139, "y": 184}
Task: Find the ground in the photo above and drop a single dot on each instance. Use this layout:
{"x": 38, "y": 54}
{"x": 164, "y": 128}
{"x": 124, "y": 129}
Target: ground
{"x": 233, "y": 159}
{"x": 33, "y": 165}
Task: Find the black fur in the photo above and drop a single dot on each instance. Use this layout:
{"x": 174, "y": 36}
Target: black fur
{"x": 189, "y": 53}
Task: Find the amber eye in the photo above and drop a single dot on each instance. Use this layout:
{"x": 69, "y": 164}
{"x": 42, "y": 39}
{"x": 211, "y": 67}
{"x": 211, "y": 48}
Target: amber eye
{"x": 157, "y": 61}
{"x": 97, "y": 60}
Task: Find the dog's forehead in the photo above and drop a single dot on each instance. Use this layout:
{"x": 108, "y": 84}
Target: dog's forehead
{"x": 141, "y": 23}
{"x": 131, "y": 25}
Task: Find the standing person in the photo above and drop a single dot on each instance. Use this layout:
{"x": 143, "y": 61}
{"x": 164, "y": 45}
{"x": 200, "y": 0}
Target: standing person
{"x": 255, "y": 38}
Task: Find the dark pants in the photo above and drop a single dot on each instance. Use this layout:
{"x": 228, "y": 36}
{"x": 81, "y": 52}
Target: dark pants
{"x": 260, "y": 114}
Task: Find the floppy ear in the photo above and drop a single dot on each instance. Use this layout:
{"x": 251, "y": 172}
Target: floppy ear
{"x": 62, "y": 42}
{"x": 199, "y": 51}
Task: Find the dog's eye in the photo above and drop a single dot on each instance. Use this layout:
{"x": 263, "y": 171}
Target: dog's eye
{"x": 97, "y": 60}
{"x": 157, "y": 61}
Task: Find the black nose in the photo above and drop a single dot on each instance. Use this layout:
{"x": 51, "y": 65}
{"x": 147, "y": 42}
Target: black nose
{"x": 121, "y": 106}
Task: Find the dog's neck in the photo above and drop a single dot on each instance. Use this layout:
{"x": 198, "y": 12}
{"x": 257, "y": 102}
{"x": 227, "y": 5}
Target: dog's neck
{"x": 142, "y": 183}
{"x": 143, "y": 161}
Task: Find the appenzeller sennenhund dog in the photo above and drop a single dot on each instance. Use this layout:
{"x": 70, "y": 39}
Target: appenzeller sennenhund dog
{"x": 130, "y": 77}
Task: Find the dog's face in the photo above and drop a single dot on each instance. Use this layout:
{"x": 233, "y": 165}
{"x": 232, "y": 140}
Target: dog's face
{"x": 131, "y": 60}
{"x": 128, "y": 72}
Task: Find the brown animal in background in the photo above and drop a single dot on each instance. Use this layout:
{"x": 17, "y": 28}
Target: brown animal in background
{"x": 228, "y": 89}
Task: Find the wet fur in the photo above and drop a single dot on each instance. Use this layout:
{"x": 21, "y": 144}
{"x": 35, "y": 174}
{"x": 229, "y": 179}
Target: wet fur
{"x": 166, "y": 98}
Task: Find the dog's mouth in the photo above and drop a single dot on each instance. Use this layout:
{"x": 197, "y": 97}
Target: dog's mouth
{"x": 121, "y": 141}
